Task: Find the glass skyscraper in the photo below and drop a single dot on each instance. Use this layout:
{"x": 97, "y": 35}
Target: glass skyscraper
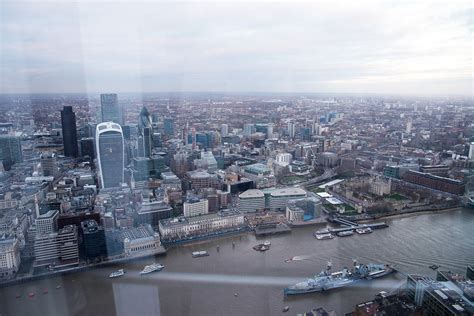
{"x": 169, "y": 126}
{"x": 110, "y": 154}
{"x": 68, "y": 124}
{"x": 10, "y": 149}
{"x": 109, "y": 109}
{"x": 145, "y": 133}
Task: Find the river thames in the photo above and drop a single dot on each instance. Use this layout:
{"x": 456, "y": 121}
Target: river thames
{"x": 241, "y": 281}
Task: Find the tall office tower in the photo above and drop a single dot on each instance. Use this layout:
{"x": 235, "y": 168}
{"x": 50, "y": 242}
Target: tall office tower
{"x": 145, "y": 133}
{"x": 193, "y": 133}
{"x": 270, "y": 130}
{"x": 224, "y": 130}
{"x": 291, "y": 129}
{"x": 249, "y": 129}
{"x": 144, "y": 120}
{"x": 168, "y": 126}
{"x": 68, "y": 124}
{"x": 471, "y": 151}
{"x": 109, "y": 109}
{"x": 48, "y": 164}
{"x": 10, "y": 150}
{"x": 145, "y": 143}
{"x": 110, "y": 154}
{"x": 87, "y": 147}
{"x": 408, "y": 126}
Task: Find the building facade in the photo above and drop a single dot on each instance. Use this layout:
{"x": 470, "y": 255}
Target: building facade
{"x": 110, "y": 154}
{"x": 109, "y": 109}
{"x": 185, "y": 227}
{"x": 252, "y": 200}
{"x": 68, "y": 124}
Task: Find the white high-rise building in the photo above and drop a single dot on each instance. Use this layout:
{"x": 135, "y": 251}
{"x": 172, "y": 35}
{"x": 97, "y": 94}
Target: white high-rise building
{"x": 408, "y": 126}
{"x": 270, "y": 130}
{"x": 291, "y": 129}
{"x": 283, "y": 159}
{"x": 110, "y": 154}
{"x": 224, "y": 130}
{"x": 249, "y": 129}
{"x": 471, "y": 151}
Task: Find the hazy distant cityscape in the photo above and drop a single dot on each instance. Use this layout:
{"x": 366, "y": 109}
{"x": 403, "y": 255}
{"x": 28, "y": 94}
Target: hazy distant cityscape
{"x": 89, "y": 180}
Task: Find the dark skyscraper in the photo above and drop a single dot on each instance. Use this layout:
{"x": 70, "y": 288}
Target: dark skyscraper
{"x": 10, "y": 150}
{"x": 68, "y": 123}
{"x": 109, "y": 109}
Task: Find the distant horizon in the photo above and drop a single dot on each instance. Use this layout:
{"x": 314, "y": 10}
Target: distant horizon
{"x": 262, "y": 93}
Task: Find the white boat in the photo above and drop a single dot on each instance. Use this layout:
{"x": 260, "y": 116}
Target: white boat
{"x": 197, "y": 254}
{"x": 324, "y": 236}
{"x": 117, "y": 273}
{"x": 266, "y": 243}
{"x": 364, "y": 230}
{"x": 152, "y": 268}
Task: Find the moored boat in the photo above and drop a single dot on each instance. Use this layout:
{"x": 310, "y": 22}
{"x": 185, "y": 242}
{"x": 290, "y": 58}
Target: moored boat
{"x": 152, "y": 268}
{"x": 345, "y": 233}
{"x": 117, "y": 273}
{"x": 364, "y": 230}
{"x": 327, "y": 280}
{"x": 197, "y": 254}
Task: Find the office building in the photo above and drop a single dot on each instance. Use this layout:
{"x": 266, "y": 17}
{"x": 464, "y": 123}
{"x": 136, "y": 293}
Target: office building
{"x": 471, "y": 151}
{"x": 145, "y": 133}
{"x": 68, "y": 245}
{"x": 93, "y": 239}
{"x": 10, "y": 149}
{"x": 440, "y": 297}
{"x": 224, "y": 130}
{"x": 152, "y": 211}
{"x": 278, "y": 198}
{"x": 48, "y": 164}
{"x": 251, "y": 201}
{"x": 304, "y": 209}
{"x": 168, "y": 126}
{"x": 207, "y": 162}
{"x": 110, "y": 154}
{"x": 249, "y": 129}
{"x": 291, "y": 130}
{"x": 283, "y": 159}
{"x": 87, "y": 147}
{"x": 47, "y": 222}
{"x": 68, "y": 124}
{"x": 145, "y": 143}
{"x": 110, "y": 109}
{"x": 9, "y": 257}
{"x": 195, "y": 206}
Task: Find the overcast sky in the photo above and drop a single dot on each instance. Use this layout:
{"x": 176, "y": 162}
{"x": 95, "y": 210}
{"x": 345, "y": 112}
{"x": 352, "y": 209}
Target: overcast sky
{"x": 399, "y": 47}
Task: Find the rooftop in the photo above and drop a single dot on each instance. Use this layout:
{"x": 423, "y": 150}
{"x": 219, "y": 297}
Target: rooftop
{"x": 252, "y": 193}
{"x": 287, "y": 192}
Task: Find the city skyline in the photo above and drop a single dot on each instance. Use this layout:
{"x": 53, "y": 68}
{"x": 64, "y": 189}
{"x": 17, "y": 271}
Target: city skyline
{"x": 371, "y": 47}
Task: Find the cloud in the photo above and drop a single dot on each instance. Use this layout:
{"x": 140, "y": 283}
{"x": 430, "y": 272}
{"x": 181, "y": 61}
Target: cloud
{"x": 322, "y": 46}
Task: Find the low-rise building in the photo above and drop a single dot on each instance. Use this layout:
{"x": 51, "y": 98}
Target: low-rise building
{"x": 141, "y": 241}
{"x": 252, "y": 200}
{"x": 9, "y": 257}
{"x": 195, "y": 206}
{"x": 300, "y": 210}
{"x": 279, "y": 198}
{"x": 186, "y": 227}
